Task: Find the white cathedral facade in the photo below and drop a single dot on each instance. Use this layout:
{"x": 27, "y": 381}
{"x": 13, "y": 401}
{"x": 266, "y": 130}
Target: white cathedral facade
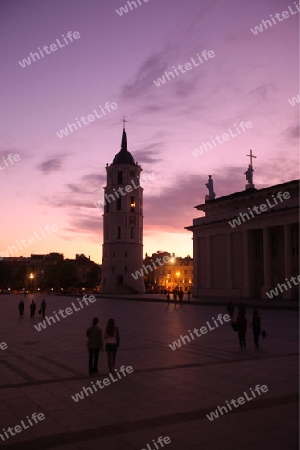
{"x": 122, "y": 225}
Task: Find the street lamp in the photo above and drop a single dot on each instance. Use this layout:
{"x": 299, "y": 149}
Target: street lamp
{"x": 31, "y": 277}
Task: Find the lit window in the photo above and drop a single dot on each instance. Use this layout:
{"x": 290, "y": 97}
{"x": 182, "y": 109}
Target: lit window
{"x": 132, "y": 203}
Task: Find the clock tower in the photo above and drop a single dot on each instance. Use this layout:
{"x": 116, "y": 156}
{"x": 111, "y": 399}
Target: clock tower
{"x": 122, "y": 225}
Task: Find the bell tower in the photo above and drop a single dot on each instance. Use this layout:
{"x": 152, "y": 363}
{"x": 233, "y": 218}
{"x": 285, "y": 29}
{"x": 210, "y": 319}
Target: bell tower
{"x": 122, "y": 225}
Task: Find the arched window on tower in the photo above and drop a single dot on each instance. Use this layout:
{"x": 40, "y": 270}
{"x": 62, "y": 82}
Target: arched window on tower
{"x": 119, "y": 232}
{"x": 120, "y": 177}
{"x": 119, "y": 204}
{"x": 131, "y": 232}
{"x": 107, "y": 207}
{"x": 132, "y": 203}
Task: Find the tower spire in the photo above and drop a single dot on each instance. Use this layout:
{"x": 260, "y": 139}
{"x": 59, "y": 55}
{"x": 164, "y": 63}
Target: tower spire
{"x": 124, "y": 138}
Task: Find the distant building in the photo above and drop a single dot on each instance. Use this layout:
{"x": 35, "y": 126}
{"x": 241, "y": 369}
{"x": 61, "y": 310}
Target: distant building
{"x": 44, "y": 272}
{"x": 122, "y": 225}
{"x": 176, "y": 273}
{"x": 247, "y": 243}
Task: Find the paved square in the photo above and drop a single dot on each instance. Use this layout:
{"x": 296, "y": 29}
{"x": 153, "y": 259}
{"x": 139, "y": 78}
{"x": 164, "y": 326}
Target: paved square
{"x": 168, "y": 394}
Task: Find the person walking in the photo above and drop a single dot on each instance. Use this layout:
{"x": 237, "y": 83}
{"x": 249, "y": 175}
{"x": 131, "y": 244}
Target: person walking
{"x": 256, "y": 327}
{"x": 43, "y": 308}
{"x": 21, "y": 308}
{"x": 180, "y": 294}
{"x": 189, "y": 295}
{"x": 241, "y": 323}
{"x": 94, "y": 345}
{"x": 242, "y": 309}
{"x": 32, "y": 308}
{"x": 112, "y": 342}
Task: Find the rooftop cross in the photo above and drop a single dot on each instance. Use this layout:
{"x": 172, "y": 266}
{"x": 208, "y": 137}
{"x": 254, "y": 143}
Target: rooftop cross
{"x": 124, "y": 120}
{"x": 251, "y": 156}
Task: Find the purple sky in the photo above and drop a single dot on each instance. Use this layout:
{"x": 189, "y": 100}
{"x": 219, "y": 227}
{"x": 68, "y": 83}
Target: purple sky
{"x": 116, "y": 59}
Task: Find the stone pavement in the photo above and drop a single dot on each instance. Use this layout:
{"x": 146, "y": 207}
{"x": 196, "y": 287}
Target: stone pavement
{"x": 168, "y": 394}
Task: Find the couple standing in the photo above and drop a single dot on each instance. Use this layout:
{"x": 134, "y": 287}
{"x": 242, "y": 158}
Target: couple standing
{"x": 95, "y": 344}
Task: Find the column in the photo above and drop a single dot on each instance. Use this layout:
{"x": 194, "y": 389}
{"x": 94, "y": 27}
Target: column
{"x": 287, "y": 245}
{"x": 197, "y": 257}
{"x": 228, "y": 261}
{"x": 208, "y": 263}
{"x": 245, "y": 259}
{"x": 266, "y": 262}
{"x": 287, "y": 249}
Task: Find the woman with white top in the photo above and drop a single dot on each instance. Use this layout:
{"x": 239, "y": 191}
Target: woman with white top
{"x": 112, "y": 341}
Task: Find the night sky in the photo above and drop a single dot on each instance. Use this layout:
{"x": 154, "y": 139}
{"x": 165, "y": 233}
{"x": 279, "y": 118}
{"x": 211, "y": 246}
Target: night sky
{"x": 116, "y": 59}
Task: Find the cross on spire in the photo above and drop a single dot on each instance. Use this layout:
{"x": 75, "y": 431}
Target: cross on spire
{"x": 124, "y": 120}
{"x": 251, "y": 157}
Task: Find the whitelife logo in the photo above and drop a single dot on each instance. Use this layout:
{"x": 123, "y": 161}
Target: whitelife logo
{"x": 274, "y": 292}
{"x": 68, "y": 311}
{"x": 263, "y": 208}
{"x": 225, "y": 136}
{"x": 10, "y": 160}
{"x": 241, "y": 400}
{"x": 294, "y": 100}
{"x": 106, "y": 381}
{"x": 268, "y": 23}
{"x": 199, "y": 332}
{"x": 90, "y": 118}
{"x": 18, "y": 428}
{"x": 53, "y": 47}
{"x": 188, "y": 66}
{"x": 124, "y": 9}
{"x": 31, "y": 240}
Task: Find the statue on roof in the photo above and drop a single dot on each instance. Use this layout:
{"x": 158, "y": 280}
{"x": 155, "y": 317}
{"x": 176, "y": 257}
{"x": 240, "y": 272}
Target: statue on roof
{"x": 249, "y": 174}
{"x": 210, "y": 187}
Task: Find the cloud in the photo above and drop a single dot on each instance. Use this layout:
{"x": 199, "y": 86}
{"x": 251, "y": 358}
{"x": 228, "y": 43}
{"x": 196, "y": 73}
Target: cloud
{"x": 51, "y": 165}
{"x": 148, "y": 155}
{"x": 292, "y": 132}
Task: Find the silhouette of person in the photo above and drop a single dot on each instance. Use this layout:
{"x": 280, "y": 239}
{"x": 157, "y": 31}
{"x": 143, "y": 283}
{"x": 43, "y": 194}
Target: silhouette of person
{"x": 94, "y": 345}
{"x": 43, "y": 308}
{"x": 112, "y": 342}
{"x": 241, "y": 323}
{"x": 180, "y": 294}
{"x": 21, "y": 308}
{"x": 32, "y": 308}
{"x": 189, "y": 295}
{"x": 256, "y": 327}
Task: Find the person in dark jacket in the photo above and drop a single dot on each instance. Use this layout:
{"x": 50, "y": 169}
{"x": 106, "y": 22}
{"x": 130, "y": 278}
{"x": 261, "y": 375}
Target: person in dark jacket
{"x": 94, "y": 345}
{"x": 256, "y": 327}
{"x": 241, "y": 323}
{"x": 32, "y": 308}
{"x": 43, "y": 308}
{"x": 21, "y": 308}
